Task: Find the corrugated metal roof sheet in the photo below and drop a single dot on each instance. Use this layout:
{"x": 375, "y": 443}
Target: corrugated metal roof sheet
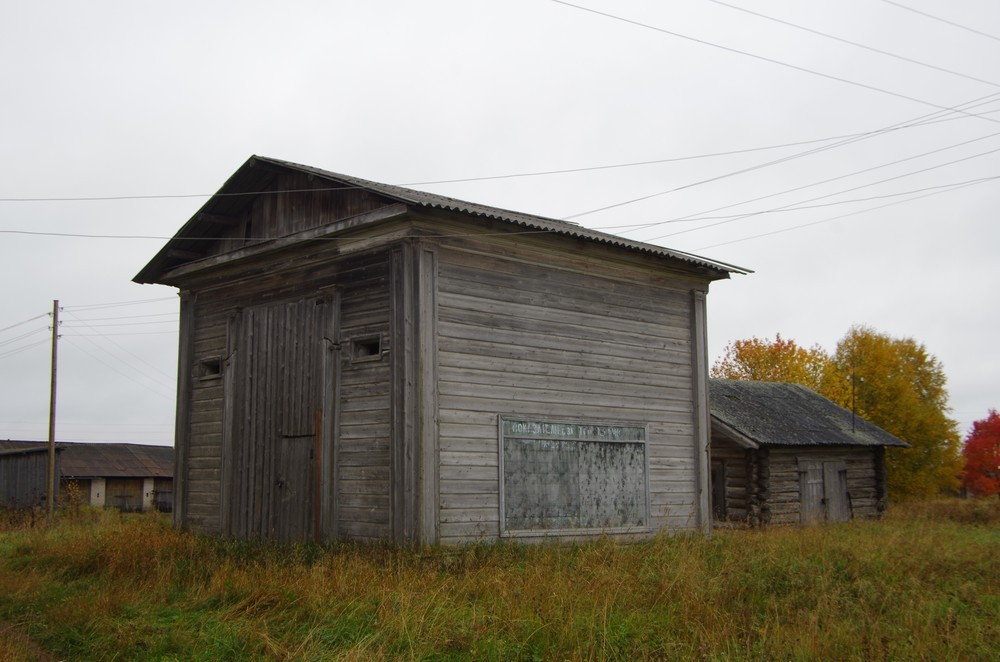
{"x": 79, "y": 460}
{"x": 249, "y": 181}
{"x": 435, "y": 201}
{"x": 781, "y": 414}
{"x": 97, "y": 460}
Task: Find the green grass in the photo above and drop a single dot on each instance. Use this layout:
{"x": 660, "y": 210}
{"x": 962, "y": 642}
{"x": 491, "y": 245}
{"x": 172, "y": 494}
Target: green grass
{"x": 922, "y": 584}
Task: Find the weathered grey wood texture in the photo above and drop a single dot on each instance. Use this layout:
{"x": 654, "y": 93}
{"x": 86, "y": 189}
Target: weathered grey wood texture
{"x": 435, "y": 327}
{"x": 539, "y": 335}
{"x": 773, "y": 485}
{"x": 22, "y": 478}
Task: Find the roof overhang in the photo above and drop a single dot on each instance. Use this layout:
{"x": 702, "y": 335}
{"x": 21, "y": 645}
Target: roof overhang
{"x": 254, "y": 176}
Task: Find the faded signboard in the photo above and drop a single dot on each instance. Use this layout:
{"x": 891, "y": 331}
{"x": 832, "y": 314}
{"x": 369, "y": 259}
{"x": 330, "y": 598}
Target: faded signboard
{"x": 572, "y": 476}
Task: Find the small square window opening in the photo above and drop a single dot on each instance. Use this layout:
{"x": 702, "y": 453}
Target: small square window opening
{"x": 366, "y": 349}
{"x": 210, "y": 368}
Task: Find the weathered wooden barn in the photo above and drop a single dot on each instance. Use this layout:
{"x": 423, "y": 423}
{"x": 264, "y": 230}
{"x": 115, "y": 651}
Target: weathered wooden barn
{"x": 783, "y": 454}
{"x": 23, "y": 468}
{"x": 128, "y": 477}
{"x": 364, "y": 361}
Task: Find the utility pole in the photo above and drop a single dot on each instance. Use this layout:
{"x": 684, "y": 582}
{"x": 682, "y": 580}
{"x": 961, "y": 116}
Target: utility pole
{"x": 50, "y": 481}
{"x": 854, "y": 383}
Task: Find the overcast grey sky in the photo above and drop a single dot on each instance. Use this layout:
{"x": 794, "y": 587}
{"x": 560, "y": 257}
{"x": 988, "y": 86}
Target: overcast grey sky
{"x": 732, "y": 123}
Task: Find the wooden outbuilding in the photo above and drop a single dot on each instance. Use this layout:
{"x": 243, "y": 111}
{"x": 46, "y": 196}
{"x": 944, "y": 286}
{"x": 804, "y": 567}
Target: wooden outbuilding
{"x": 23, "y": 469}
{"x": 783, "y": 454}
{"x": 128, "y": 477}
{"x": 364, "y": 361}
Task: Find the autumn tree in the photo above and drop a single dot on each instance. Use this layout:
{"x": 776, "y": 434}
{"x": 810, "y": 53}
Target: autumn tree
{"x": 981, "y": 475}
{"x": 777, "y": 360}
{"x": 900, "y": 387}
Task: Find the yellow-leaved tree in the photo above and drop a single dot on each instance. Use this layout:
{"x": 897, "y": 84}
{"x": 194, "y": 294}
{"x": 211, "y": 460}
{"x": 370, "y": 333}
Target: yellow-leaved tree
{"x": 900, "y": 387}
{"x": 892, "y": 382}
{"x": 777, "y": 360}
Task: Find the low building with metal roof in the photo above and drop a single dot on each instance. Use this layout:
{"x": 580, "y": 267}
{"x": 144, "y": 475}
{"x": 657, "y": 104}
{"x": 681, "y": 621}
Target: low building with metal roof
{"x": 129, "y": 477}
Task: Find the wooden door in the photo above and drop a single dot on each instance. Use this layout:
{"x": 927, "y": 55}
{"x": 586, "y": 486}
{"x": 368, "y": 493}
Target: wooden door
{"x": 813, "y": 509}
{"x": 294, "y": 488}
{"x": 125, "y": 494}
{"x": 277, "y": 386}
{"x": 838, "y": 508}
{"x": 718, "y": 478}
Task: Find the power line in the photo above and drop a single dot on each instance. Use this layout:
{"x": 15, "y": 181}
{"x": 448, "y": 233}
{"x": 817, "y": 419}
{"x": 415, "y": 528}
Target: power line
{"x": 30, "y": 319}
{"x": 856, "y": 44}
{"x": 105, "y": 335}
{"x": 117, "y": 304}
{"x": 22, "y": 336}
{"x": 982, "y": 101}
{"x": 805, "y": 207}
{"x": 918, "y": 121}
{"x": 126, "y": 317}
{"x": 755, "y": 56}
{"x": 116, "y": 324}
{"x": 942, "y": 20}
{"x": 538, "y": 173}
{"x": 853, "y": 213}
{"x": 12, "y": 352}
{"x": 820, "y": 183}
{"x": 882, "y": 181}
{"x": 113, "y": 368}
{"x": 123, "y": 349}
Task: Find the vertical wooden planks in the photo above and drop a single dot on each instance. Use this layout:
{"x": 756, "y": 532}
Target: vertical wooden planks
{"x": 702, "y": 416}
{"x": 429, "y": 457}
{"x": 182, "y": 428}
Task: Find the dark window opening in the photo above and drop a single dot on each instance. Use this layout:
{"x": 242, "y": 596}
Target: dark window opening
{"x": 210, "y": 368}
{"x": 366, "y": 349}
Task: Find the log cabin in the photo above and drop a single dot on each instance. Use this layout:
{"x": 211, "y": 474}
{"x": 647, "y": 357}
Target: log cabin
{"x": 784, "y": 454}
{"x": 364, "y": 361}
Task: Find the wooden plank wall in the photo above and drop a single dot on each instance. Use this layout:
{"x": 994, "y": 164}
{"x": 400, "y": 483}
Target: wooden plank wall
{"x": 560, "y": 344}
{"x": 363, "y": 430}
{"x": 202, "y": 449}
{"x": 364, "y": 421}
{"x": 22, "y": 479}
{"x": 294, "y": 209}
{"x": 785, "y": 497}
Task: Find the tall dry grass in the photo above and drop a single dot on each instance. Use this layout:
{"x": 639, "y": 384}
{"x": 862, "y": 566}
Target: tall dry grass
{"x": 924, "y": 583}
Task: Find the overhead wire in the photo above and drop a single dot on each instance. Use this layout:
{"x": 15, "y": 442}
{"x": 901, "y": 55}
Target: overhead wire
{"x": 30, "y": 319}
{"x": 12, "y": 352}
{"x": 28, "y": 334}
{"x": 690, "y": 217}
{"x": 854, "y": 43}
{"x": 856, "y": 188}
{"x": 805, "y": 207}
{"x": 116, "y": 304}
{"x": 730, "y": 49}
{"x": 848, "y": 141}
{"x": 149, "y": 388}
{"x": 942, "y": 20}
{"x": 853, "y": 213}
{"x": 461, "y": 180}
{"x": 125, "y": 350}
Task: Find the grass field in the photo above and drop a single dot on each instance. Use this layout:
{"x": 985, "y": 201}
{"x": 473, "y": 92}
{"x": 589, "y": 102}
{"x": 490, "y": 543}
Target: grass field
{"x": 924, "y": 583}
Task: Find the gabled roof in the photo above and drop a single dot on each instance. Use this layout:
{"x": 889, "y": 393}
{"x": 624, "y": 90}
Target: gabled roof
{"x": 80, "y": 460}
{"x": 96, "y": 460}
{"x": 251, "y": 180}
{"x": 14, "y": 447}
{"x": 780, "y": 414}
